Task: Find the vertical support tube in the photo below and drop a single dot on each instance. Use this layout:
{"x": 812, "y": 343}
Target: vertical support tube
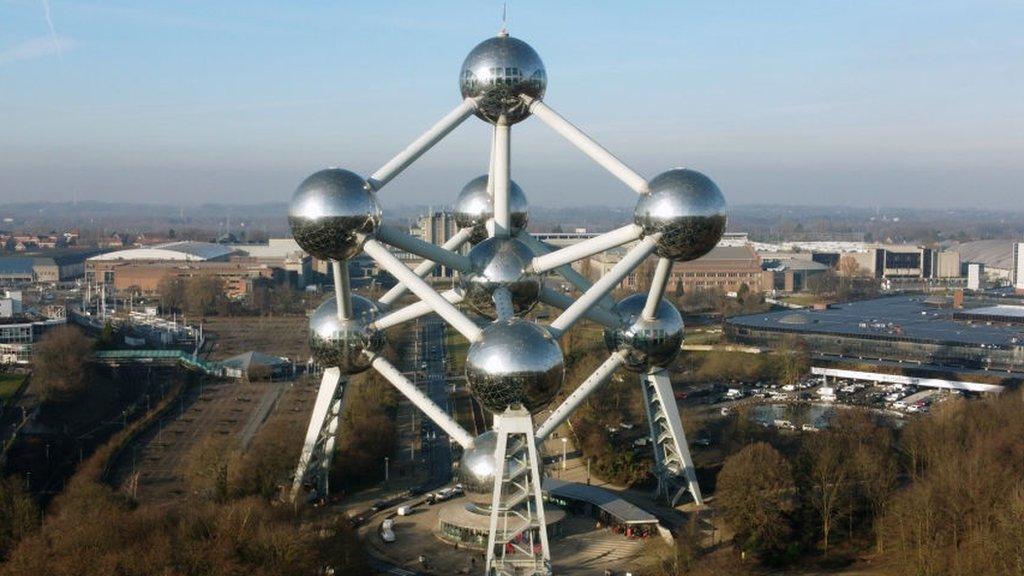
{"x": 658, "y": 283}
{"x": 342, "y": 289}
{"x": 502, "y": 148}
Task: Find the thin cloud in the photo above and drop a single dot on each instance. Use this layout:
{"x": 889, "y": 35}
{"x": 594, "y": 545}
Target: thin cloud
{"x": 53, "y": 31}
{"x": 35, "y": 48}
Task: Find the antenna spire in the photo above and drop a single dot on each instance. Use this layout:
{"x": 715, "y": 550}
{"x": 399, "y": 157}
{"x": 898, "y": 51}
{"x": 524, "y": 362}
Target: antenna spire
{"x": 504, "y": 19}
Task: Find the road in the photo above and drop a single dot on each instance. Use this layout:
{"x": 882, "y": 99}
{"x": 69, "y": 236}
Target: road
{"x": 428, "y": 356}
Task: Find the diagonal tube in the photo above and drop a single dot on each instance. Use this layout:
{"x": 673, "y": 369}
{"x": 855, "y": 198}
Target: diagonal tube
{"x": 420, "y": 145}
{"x": 573, "y": 400}
{"x": 658, "y": 282}
{"x": 586, "y": 248}
{"x": 426, "y": 250}
{"x": 419, "y": 287}
{"x": 424, "y": 268}
{"x": 571, "y": 276}
{"x": 553, "y": 297}
{"x": 604, "y": 285}
{"x": 421, "y": 401}
{"x": 413, "y": 311}
{"x": 587, "y": 145}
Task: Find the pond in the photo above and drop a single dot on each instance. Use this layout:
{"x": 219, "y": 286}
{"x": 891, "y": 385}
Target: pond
{"x": 799, "y": 414}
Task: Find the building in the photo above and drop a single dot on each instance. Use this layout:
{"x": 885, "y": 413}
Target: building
{"x": 896, "y": 329}
{"x": 436, "y": 228}
{"x": 791, "y": 275}
{"x": 896, "y": 261}
{"x": 1017, "y": 277}
{"x": 282, "y": 253}
{"x": 17, "y": 271}
{"x": 975, "y": 276}
{"x": 946, "y": 264}
{"x": 726, "y": 268}
{"x": 18, "y": 334}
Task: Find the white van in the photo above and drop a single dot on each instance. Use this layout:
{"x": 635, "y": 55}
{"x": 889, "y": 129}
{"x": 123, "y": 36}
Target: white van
{"x": 404, "y": 510}
{"x": 387, "y": 532}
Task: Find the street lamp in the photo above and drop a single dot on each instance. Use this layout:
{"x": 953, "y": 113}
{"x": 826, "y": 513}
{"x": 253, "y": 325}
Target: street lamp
{"x": 386, "y": 469}
{"x": 565, "y": 442}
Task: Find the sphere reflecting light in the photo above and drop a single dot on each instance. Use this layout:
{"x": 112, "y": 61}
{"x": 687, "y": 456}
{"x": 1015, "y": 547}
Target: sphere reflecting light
{"x": 500, "y": 263}
{"x": 342, "y": 343}
{"x": 498, "y": 71}
{"x": 648, "y": 343}
{"x": 474, "y": 207}
{"x": 515, "y": 363}
{"x": 477, "y": 465}
{"x": 329, "y": 209}
{"x": 688, "y": 209}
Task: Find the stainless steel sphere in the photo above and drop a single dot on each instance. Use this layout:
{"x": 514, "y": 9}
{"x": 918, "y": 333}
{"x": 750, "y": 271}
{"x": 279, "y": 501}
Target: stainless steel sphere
{"x": 648, "y": 343}
{"x": 498, "y": 71}
{"x": 500, "y": 263}
{"x": 329, "y": 209}
{"x": 515, "y": 362}
{"x": 341, "y": 343}
{"x": 478, "y": 465}
{"x": 689, "y": 211}
{"x": 474, "y": 207}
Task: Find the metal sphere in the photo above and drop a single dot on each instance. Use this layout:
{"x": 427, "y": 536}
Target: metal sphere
{"x": 477, "y": 465}
{"x": 498, "y": 71}
{"x": 688, "y": 209}
{"x": 341, "y": 343}
{"x": 648, "y": 343}
{"x": 500, "y": 263}
{"x": 515, "y": 362}
{"x": 474, "y": 207}
{"x": 329, "y": 209}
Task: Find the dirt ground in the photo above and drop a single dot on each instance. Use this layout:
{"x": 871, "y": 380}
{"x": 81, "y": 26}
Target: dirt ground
{"x": 278, "y": 335}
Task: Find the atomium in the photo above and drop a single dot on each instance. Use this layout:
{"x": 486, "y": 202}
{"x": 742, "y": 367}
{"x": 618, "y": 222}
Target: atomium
{"x": 500, "y": 263}
{"x": 514, "y": 363}
{"x": 497, "y": 72}
{"x": 343, "y": 343}
{"x": 688, "y": 209}
{"x": 329, "y": 210}
{"x": 648, "y": 343}
{"x": 477, "y": 465}
{"x": 474, "y": 207}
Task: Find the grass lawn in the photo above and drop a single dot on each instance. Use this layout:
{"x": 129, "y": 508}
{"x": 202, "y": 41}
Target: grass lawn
{"x": 9, "y": 384}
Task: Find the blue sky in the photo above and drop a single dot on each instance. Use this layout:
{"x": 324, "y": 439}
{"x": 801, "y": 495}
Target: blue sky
{"x": 855, "y": 103}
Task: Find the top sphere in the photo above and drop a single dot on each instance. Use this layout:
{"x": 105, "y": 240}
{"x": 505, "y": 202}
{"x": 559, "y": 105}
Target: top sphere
{"x": 474, "y": 207}
{"x": 688, "y": 209}
{"x": 498, "y": 71}
{"x": 327, "y": 211}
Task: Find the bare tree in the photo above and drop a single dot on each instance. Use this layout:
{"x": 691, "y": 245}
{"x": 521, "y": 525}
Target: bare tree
{"x": 753, "y": 491}
{"x": 827, "y": 475}
{"x": 61, "y": 363}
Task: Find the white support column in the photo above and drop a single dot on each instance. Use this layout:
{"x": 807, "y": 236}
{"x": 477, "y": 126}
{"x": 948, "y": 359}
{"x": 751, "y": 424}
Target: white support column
{"x": 423, "y": 269}
{"x": 585, "y": 389}
{"x": 330, "y": 392}
{"x": 517, "y": 501}
{"x": 671, "y": 452}
{"x": 604, "y": 285}
{"x": 658, "y": 283}
{"x": 588, "y": 146}
{"x": 553, "y": 297}
{"x": 419, "y": 287}
{"x": 421, "y": 401}
{"x": 567, "y": 272}
{"x": 413, "y": 311}
{"x": 409, "y": 243}
{"x": 586, "y": 248}
{"x": 342, "y": 289}
{"x": 413, "y": 151}
{"x": 501, "y": 184}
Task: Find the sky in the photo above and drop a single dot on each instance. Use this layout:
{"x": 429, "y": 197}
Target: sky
{"x": 867, "y": 103}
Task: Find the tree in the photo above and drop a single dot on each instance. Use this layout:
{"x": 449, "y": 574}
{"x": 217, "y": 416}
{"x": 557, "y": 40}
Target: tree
{"x": 848, "y": 266}
{"x": 203, "y": 294}
{"x": 171, "y": 291}
{"x": 61, "y": 363}
{"x": 753, "y": 492}
{"x": 826, "y": 475}
{"x": 18, "y": 514}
